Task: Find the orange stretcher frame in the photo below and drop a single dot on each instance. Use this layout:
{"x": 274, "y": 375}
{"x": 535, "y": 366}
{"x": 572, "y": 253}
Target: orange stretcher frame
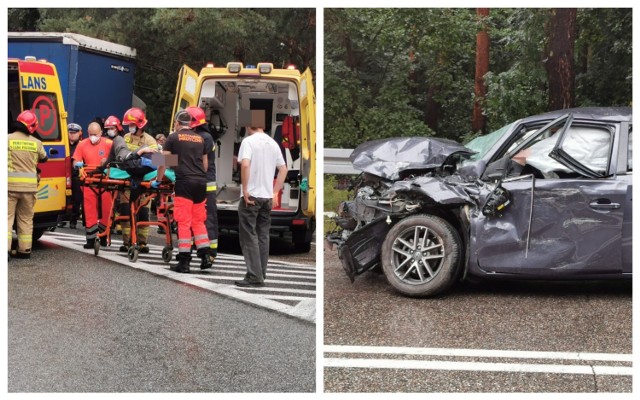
{"x": 99, "y": 182}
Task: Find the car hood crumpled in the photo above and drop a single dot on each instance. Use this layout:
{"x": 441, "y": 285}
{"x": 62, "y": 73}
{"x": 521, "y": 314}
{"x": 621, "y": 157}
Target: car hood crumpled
{"x": 387, "y": 158}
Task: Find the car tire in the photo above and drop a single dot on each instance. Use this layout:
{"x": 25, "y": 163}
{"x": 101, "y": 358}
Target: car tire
{"x": 302, "y": 247}
{"x": 424, "y": 267}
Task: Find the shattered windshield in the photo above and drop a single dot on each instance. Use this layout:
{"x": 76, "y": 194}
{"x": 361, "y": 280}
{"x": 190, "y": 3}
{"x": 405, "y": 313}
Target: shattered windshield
{"x": 482, "y": 144}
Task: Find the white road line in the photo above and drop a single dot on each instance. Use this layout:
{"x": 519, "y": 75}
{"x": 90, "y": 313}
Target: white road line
{"x": 269, "y": 281}
{"x": 303, "y": 310}
{"x": 117, "y": 242}
{"x": 475, "y": 366}
{"x": 277, "y": 297}
{"x": 478, "y": 353}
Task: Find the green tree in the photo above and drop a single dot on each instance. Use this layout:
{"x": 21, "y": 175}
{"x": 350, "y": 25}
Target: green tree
{"x": 165, "y": 39}
{"x": 416, "y": 67}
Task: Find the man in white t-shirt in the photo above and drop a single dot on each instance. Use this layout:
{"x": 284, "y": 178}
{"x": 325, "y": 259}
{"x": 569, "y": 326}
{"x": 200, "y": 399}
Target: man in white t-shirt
{"x": 259, "y": 157}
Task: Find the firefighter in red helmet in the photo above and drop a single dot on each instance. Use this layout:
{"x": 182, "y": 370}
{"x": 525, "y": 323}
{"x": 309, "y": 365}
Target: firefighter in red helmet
{"x": 134, "y": 121}
{"x": 189, "y": 207}
{"x": 25, "y": 151}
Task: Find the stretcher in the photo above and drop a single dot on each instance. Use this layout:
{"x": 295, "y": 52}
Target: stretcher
{"x": 118, "y": 182}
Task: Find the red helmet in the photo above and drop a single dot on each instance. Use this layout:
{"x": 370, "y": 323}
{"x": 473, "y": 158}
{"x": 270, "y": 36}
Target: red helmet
{"x": 29, "y": 119}
{"x": 112, "y": 121}
{"x": 197, "y": 115}
{"x": 135, "y": 116}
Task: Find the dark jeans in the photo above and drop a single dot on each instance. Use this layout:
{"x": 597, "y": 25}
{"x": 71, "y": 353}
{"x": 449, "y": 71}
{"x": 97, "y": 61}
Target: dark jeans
{"x": 254, "y": 225}
{"x": 212, "y": 222}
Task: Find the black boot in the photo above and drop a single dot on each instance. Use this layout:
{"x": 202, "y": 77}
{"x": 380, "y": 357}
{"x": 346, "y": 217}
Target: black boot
{"x": 89, "y": 244}
{"x": 22, "y": 255}
{"x": 183, "y": 263}
{"x": 206, "y": 262}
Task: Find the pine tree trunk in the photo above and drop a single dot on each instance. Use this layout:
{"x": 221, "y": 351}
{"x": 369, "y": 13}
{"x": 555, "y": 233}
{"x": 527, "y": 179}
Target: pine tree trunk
{"x": 560, "y": 63}
{"x": 479, "y": 121}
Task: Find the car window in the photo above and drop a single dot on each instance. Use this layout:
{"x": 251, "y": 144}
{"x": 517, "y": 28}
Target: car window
{"x": 589, "y": 146}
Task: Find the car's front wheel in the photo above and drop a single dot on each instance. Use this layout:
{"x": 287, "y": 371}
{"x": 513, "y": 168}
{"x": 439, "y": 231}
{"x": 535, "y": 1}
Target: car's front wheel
{"x": 421, "y": 255}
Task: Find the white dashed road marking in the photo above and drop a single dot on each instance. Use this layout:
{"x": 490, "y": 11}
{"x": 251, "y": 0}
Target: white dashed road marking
{"x": 441, "y": 359}
{"x": 289, "y": 289}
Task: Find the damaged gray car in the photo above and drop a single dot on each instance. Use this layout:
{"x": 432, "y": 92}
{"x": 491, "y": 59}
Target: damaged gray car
{"x": 545, "y": 197}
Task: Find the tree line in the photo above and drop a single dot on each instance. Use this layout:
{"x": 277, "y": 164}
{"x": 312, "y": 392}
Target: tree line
{"x": 458, "y": 73}
{"x": 166, "y": 39}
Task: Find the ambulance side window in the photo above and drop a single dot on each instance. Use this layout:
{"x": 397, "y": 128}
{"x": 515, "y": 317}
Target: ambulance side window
{"x": 45, "y": 105}
{"x": 14, "y": 97}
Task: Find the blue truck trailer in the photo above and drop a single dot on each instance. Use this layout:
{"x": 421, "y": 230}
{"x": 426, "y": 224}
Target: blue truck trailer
{"x": 96, "y": 76}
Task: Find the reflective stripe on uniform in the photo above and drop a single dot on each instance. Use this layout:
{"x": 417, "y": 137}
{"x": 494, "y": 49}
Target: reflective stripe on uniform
{"x": 23, "y": 180}
{"x": 211, "y": 186}
{"x": 23, "y": 174}
{"x": 92, "y": 231}
{"x": 23, "y": 177}
{"x": 213, "y": 244}
{"x": 23, "y": 145}
{"x": 24, "y": 238}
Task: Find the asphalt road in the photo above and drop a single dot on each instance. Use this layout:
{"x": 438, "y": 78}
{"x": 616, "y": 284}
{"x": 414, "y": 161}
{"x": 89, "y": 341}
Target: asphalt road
{"x": 78, "y": 323}
{"x": 481, "y": 337}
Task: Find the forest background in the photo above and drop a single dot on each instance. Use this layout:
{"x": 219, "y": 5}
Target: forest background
{"x": 166, "y": 39}
{"x": 459, "y": 73}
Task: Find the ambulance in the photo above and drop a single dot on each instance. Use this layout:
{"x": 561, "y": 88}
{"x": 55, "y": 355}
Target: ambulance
{"x": 34, "y": 85}
{"x": 288, "y": 99}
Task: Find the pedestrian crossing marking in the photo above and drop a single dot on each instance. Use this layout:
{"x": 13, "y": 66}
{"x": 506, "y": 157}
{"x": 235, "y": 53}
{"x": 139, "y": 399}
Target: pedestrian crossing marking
{"x": 290, "y": 288}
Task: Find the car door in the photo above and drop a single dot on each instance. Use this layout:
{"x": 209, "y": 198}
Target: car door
{"x": 570, "y": 222}
{"x": 186, "y": 91}
{"x": 308, "y": 142}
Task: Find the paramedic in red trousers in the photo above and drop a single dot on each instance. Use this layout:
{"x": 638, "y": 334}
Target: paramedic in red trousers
{"x": 25, "y": 151}
{"x": 259, "y": 156}
{"x": 189, "y": 209}
{"x": 90, "y": 154}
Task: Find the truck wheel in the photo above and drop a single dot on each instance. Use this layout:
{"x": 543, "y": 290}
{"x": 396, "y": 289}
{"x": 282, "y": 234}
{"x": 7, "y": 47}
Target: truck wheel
{"x": 421, "y": 255}
{"x": 37, "y": 233}
{"x": 302, "y": 247}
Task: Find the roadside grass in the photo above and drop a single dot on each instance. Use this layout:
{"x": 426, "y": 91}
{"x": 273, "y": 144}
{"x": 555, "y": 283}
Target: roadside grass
{"x": 332, "y": 199}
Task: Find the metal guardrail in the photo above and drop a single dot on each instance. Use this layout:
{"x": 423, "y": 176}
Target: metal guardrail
{"x": 336, "y": 161}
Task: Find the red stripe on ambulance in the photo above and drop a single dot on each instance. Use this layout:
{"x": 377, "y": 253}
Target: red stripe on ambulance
{"x": 35, "y": 68}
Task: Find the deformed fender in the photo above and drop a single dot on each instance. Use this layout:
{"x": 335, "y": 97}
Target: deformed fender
{"x": 441, "y": 190}
{"x": 361, "y": 251}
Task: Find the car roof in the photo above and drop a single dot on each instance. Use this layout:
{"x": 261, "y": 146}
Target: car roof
{"x": 590, "y": 113}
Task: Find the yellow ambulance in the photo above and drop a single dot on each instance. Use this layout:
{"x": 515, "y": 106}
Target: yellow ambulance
{"x": 34, "y": 85}
{"x": 288, "y": 99}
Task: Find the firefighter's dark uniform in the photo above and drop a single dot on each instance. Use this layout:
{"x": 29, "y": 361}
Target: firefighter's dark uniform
{"x": 190, "y": 194}
{"x": 25, "y": 151}
{"x": 212, "y": 207}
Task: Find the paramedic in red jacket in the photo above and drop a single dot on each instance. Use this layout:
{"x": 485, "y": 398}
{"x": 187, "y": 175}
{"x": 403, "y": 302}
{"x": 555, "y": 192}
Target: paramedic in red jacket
{"x": 90, "y": 154}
